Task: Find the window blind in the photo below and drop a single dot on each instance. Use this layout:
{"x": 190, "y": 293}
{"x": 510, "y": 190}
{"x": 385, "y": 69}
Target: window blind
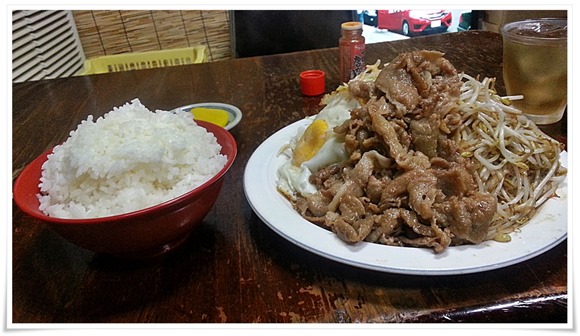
{"x": 45, "y": 45}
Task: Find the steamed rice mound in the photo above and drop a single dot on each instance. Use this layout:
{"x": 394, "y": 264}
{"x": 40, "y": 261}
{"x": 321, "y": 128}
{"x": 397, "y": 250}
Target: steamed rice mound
{"x": 127, "y": 160}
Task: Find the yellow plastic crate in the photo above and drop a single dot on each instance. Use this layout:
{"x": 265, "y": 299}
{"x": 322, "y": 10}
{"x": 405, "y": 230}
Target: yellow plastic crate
{"x": 144, "y": 60}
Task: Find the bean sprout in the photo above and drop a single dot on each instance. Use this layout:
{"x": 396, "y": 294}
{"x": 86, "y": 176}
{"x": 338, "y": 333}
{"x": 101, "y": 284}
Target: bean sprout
{"x": 515, "y": 160}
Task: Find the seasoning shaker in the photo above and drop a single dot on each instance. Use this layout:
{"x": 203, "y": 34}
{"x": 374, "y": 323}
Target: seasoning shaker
{"x": 352, "y": 50}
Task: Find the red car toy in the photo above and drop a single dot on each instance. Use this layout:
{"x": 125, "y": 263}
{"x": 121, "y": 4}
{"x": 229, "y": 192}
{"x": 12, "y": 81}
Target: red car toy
{"x": 414, "y": 22}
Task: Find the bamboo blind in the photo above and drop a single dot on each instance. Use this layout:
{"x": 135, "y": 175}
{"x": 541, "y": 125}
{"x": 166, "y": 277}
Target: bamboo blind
{"x": 109, "y": 32}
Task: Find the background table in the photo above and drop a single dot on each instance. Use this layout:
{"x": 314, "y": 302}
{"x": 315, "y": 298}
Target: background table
{"x": 234, "y": 268}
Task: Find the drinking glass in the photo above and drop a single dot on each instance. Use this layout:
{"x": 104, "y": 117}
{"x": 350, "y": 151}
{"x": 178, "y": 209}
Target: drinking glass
{"x": 535, "y": 66}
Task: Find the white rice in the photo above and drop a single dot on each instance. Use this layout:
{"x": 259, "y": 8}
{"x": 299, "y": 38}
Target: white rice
{"x": 129, "y": 159}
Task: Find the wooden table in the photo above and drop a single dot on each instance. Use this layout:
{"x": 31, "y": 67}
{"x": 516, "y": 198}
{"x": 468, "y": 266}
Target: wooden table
{"x": 235, "y": 268}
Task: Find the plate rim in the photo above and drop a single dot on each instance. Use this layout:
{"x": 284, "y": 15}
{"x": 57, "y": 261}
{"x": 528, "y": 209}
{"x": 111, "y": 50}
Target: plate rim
{"x": 260, "y": 163}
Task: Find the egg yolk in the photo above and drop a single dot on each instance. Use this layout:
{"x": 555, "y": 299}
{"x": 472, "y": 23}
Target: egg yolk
{"x": 310, "y": 142}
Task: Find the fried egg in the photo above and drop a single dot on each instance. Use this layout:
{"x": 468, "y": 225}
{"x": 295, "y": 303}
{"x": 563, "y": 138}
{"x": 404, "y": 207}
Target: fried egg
{"x": 315, "y": 146}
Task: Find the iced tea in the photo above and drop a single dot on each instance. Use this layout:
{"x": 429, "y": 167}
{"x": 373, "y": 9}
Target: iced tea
{"x": 535, "y": 66}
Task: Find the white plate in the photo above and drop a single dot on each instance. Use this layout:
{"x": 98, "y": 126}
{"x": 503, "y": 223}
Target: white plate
{"x": 234, "y": 113}
{"x": 544, "y": 231}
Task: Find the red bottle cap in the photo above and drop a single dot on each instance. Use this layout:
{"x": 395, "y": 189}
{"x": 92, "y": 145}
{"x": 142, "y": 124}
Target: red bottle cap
{"x": 312, "y": 82}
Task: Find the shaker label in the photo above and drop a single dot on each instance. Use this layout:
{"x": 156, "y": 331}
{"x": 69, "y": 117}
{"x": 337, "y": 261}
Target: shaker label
{"x": 357, "y": 52}
{"x": 354, "y": 60}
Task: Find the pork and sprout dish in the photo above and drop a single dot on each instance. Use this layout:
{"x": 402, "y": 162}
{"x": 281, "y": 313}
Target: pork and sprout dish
{"x": 429, "y": 157}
